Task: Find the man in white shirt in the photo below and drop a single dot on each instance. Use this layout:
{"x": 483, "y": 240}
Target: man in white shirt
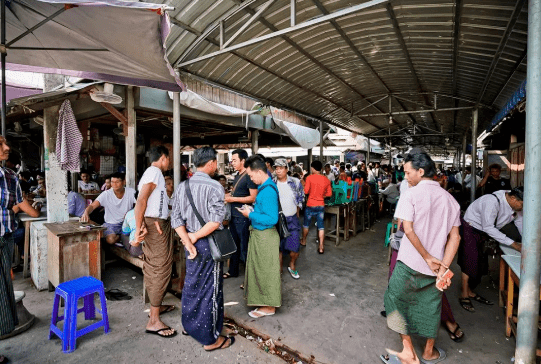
{"x": 291, "y": 195}
{"x": 116, "y": 201}
{"x": 152, "y": 212}
{"x": 467, "y": 179}
{"x": 483, "y": 219}
{"x": 329, "y": 173}
{"x": 87, "y": 186}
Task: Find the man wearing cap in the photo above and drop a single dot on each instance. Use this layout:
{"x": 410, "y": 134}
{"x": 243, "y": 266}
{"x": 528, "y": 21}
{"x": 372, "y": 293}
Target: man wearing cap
{"x": 291, "y": 195}
{"x": 483, "y": 220}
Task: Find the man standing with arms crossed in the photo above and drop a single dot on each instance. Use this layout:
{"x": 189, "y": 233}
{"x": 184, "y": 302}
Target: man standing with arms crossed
{"x": 317, "y": 187}
{"x": 152, "y": 211}
{"x": 244, "y": 192}
{"x": 431, "y": 220}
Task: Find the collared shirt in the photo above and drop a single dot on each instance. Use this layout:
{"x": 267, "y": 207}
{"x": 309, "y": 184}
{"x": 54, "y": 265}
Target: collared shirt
{"x": 296, "y": 187}
{"x": 208, "y": 196}
{"x": 481, "y": 215}
{"x": 265, "y": 214}
{"x": 76, "y": 204}
{"x": 434, "y": 212}
{"x": 391, "y": 192}
{"x": 10, "y": 195}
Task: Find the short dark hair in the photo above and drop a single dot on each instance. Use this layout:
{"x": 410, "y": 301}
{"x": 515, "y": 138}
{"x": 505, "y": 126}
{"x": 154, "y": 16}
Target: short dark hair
{"x": 118, "y": 175}
{"x": 256, "y": 163}
{"x": 203, "y": 155}
{"x": 342, "y": 168}
{"x": 220, "y": 176}
{"x": 422, "y": 160}
{"x": 155, "y": 153}
{"x": 293, "y": 163}
{"x": 495, "y": 166}
{"x": 84, "y": 171}
{"x": 317, "y": 165}
{"x": 518, "y": 192}
{"x": 348, "y": 165}
{"x": 269, "y": 160}
{"x": 243, "y": 155}
{"x": 327, "y": 165}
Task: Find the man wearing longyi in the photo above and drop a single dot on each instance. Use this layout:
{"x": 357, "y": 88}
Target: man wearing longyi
{"x": 431, "y": 219}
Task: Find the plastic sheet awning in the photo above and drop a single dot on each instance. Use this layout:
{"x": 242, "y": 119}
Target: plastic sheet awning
{"x": 514, "y": 100}
{"x": 116, "y": 41}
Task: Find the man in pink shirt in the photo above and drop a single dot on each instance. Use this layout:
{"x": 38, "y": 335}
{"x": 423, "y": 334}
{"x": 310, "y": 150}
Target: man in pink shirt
{"x": 431, "y": 220}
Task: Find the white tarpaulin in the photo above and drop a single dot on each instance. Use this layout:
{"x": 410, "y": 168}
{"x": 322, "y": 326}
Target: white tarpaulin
{"x": 116, "y": 41}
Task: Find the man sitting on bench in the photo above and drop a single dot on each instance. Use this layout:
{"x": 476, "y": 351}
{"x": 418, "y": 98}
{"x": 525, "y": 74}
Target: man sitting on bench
{"x": 117, "y": 202}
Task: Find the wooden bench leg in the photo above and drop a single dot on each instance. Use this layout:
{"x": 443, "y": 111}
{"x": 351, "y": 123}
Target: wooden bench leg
{"x": 502, "y": 282}
{"x": 510, "y": 297}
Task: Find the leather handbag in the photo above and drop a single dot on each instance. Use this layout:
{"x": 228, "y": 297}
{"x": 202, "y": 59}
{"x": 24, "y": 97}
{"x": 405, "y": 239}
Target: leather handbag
{"x": 281, "y": 226}
{"x": 221, "y": 243}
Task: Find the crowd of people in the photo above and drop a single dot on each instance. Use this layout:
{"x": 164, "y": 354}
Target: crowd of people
{"x": 144, "y": 221}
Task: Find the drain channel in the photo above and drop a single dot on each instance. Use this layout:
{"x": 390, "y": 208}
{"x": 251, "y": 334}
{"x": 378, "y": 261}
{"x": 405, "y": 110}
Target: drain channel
{"x": 268, "y": 344}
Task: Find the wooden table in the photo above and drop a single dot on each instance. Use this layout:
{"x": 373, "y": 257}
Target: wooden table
{"x": 72, "y": 252}
{"x": 90, "y": 196}
{"x": 504, "y": 250}
{"x": 27, "y": 220}
{"x": 512, "y": 263}
{"x": 338, "y": 211}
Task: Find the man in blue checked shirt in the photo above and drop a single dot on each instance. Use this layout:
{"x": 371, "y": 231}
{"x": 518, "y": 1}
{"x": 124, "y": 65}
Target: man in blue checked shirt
{"x": 291, "y": 195}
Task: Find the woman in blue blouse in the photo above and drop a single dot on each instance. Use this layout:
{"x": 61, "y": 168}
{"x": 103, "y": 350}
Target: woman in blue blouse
{"x": 262, "y": 283}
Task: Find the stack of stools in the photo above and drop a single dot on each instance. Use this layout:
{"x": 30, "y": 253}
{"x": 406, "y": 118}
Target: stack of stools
{"x": 72, "y": 291}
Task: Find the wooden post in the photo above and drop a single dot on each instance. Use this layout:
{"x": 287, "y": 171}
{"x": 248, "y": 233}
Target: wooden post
{"x": 255, "y": 141}
{"x": 131, "y": 139}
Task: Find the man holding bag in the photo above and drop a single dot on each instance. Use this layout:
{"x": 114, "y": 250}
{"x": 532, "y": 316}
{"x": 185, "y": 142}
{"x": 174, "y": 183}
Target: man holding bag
{"x": 202, "y": 296}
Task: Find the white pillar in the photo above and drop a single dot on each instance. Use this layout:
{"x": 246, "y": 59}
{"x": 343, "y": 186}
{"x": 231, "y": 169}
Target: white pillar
{"x": 177, "y": 156}
{"x": 131, "y": 140}
{"x": 321, "y": 143}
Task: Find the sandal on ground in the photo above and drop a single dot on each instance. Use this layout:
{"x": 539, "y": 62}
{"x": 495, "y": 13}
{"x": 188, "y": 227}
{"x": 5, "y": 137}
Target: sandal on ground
{"x": 241, "y": 286}
{"x": 482, "y": 300}
{"x": 117, "y": 295}
{"x": 454, "y": 335}
{"x": 321, "y": 251}
{"x": 390, "y": 359}
{"x": 226, "y": 339}
{"x": 3, "y": 360}
{"x": 466, "y": 304}
{"x": 227, "y": 275}
{"x": 168, "y": 308}
{"x": 294, "y": 273}
{"x": 157, "y": 332}
{"x": 185, "y": 333}
{"x": 434, "y": 361}
{"x": 258, "y": 314}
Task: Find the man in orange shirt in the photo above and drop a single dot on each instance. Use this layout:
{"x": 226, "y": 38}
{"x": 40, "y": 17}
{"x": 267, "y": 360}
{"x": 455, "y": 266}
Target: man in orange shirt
{"x": 317, "y": 187}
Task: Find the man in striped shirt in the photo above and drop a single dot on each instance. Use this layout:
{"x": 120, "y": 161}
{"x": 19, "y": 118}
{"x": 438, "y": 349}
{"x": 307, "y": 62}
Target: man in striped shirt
{"x": 10, "y": 196}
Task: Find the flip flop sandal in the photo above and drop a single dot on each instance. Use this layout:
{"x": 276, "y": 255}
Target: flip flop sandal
{"x": 227, "y": 275}
{"x": 241, "y": 286}
{"x": 117, "y": 295}
{"x": 185, "y": 333}
{"x": 466, "y": 304}
{"x": 258, "y": 314}
{"x": 434, "y": 361}
{"x": 157, "y": 332}
{"x": 456, "y": 338}
{"x": 3, "y": 360}
{"x": 390, "y": 359}
{"x": 230, "y": 339}
{"x": 482, "y": 300}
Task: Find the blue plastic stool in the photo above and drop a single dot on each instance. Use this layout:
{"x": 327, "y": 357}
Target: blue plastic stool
{"x": 72, "y": 291}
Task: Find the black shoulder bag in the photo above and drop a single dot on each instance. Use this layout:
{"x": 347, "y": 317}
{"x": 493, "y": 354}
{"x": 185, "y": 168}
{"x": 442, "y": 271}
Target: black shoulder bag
{"x": 221, "y": 243}
{"x": 281, "y": 226}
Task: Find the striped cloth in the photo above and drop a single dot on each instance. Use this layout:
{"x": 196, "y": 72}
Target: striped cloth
{"x": 8, "y": 312}
{"x": 10, "y": 195}
{"x": 68, "y": 139}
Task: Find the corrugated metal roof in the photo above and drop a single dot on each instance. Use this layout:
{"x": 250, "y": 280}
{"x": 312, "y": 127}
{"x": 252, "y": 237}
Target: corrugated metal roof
{"x": 474, "y": 50}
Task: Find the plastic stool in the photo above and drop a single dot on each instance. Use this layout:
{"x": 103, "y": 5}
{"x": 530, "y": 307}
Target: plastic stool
{"x": 72, "y": 291}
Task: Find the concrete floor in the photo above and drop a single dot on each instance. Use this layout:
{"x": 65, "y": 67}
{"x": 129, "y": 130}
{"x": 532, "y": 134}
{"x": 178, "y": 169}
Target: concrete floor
{"x": 331, "y": 312}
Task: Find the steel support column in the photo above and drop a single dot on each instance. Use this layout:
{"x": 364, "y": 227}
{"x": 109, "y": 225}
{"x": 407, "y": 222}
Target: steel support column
{"x": 310, "y": 159}
{"x": 255, "y": 141}
{"x": 528, "y": 303}
{"x": 3, "y": 61}
{"x": 368, "y": 153}
{"x": 177, "y": 155}
{"x": 474, "y": 124}
{"x": 321, "y": 142}
{"x": 464, "y": 146}
{"x": 131, "y": 140}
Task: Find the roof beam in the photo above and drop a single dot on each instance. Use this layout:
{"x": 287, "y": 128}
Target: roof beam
{"x": 501, "y": 47}
{"x": 245, "y": 58}
{"x": 402, "y": 43}
{"x": 278, "y": 33}
{"x": 517, "y": 64}
{"x": 247, "y": 24}
{"x": 456, "y": 34}
{"x": 419, "y": 111}
{"x": 359, "y": 55}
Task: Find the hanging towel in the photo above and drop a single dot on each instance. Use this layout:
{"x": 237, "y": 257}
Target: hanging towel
{"x": 68, "y": 139}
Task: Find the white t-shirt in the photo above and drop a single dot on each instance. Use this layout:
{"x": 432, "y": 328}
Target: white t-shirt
{"x": 157, "y": 204}
{"x": 287, "y": 199}
{"x": 115, "y": 208}
{"x": 84, "y": 186}
{"x": 330, "y": 176}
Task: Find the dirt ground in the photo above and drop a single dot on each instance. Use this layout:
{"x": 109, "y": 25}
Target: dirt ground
{"x": 331, "y": 313}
